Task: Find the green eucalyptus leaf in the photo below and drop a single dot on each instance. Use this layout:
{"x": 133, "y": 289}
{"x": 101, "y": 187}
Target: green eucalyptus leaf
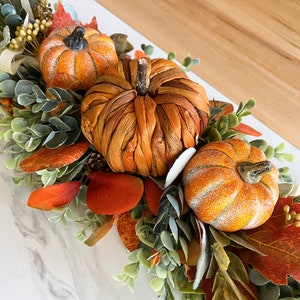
{"x": 24, "y": 87}
{"x": 270, "y": 291}
{"x": 221, "y": 256}
{"x": 8, "y": 135}
{"x": 57, "y": 140}
{"x": 157, "y": 284}
{"x": 26, "y": 99}
{"x": 7, "y": 88}
{"x": 161, "y": 270}
{"x": 12, "y": 163}
{"x": 40, "y": 95}
{"x": 32, "y": 144}
{"x": 173, "y": 228}
{"x": 174, "y": 204}
{"x": 19, "y": 124}
{"x": 131, "y": 270}
{"x": 249, "y": 104}
{"x": 59, "y": 124}
{"x": 167, "y": 240}
{"x": 233, "y": 120}
{"x": 20, "y": 137}
{"x": 49, "y": 105}
{"x": 171, "y": 55}
{"x": 142, "y": 256}
{"x": 184, "y": 246}
{"x": 55, "y": 93}
{"x": 280, "y": 147}
{"x": 174, "y": 258}
{"x": 185, "y": 229}
{"x": 269, "y": 152}
{"x": 219, "y": 237}
{"x": 260, "y": 143}
{"x": 37, "y": 107}
{"x": 257, "y": 278}
{"x": 69, "y": 214}
{"x": 41, "y": 129}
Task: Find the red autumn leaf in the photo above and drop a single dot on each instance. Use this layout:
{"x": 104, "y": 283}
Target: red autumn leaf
{"x": 126, "y": 230}
{"x": 61, "y": 18}
{"x": 246, "y": 129}
{"x": 47, "y": 198}
{"x": 54, "y": 158}
{"x": 152, "y": 194}
{"x": 279, "y": 242}
{"x": 113, "y": 193}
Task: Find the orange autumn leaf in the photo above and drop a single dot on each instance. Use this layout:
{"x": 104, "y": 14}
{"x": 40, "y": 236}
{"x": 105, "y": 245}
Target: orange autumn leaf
{"x": 53, "y": 196}
{"x": 246, "y": 129}
{"x": 113, "y": 193}
{"x": 126, "y": 230}
{"x": 152, "y": 194}
{"x": 54, "y": 158}
{"x": 139, "y": 54}
{"x": 100, "y": 232}
{"x": 279, "y": 243}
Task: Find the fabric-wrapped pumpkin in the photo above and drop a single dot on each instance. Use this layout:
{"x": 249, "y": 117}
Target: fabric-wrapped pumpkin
{"x": 231, "y": 185}
{"x": 74, "y": 57}
{"x": 142, "y": 114}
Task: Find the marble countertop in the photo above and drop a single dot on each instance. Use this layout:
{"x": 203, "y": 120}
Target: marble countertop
{"x": 43, "y": 261}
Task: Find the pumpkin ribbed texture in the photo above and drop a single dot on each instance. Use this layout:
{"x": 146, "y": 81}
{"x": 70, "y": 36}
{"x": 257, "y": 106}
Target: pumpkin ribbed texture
{"x": 67, "y": 67}
{"x": 218, "y": 195}
{"x": 144, "y": 134}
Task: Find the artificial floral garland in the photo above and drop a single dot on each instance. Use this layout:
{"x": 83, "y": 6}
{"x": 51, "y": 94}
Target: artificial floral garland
{"x": 133, "y": 142}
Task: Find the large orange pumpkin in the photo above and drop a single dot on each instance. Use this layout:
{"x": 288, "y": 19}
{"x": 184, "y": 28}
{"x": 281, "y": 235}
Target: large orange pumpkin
{"x": 142, "y": 114}
{"x": 231, "y": 185}
{"x": 74, "y": 57}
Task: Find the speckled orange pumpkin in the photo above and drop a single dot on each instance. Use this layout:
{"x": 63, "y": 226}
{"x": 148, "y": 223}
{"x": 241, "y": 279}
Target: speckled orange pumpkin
{"x": 74, "y": 57}
{"x": 231, "y": 185}
{"x": 142, "y": 114}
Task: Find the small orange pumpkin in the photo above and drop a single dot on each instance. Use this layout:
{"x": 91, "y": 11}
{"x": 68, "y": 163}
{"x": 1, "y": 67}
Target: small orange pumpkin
{"x": 142, "y": 114}
{"x": 231, "y": 185}
{"x": 74, "y": 57}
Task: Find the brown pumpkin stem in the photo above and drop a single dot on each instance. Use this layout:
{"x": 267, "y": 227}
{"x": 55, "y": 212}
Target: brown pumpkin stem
{"x": 141, "y": 80}
{"x": 75, "y": 40}
{"x": 253, "y": 172}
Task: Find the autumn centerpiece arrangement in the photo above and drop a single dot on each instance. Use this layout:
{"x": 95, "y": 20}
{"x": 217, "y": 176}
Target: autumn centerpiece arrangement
{"x": 108, "y": 138}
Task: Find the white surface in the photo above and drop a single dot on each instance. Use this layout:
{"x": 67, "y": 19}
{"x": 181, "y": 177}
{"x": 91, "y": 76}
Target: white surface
{"x": 41, "y": 260}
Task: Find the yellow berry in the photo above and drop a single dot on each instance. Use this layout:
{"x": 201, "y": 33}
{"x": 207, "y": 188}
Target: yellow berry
{"x": 286, "y": 208}
{"x": 288, "y": 217}
{"x": 44, "y": 21}
{"x": 19, "y": 39}
{"x": 297, "y": 217}
{"x": 35, "y": 32}
{"x": 42, "y": 27}
{"x": 297, "y": 224}
{"x": 293, "y": 213}
{"x": 22, "y": 32}
{"x": 30, "y": 25}
{"x": 29, "y": 38}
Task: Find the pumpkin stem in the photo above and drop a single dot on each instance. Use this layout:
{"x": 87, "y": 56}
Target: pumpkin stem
{"x": 75, "y": 40}
{"x": 141, "y": 80}
{"x": 253, "y": 172}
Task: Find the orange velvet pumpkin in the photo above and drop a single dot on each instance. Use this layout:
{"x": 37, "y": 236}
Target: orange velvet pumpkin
{"x": 74, "y": 57}
{"x": 142, "y": 114}
{"x": 231, "y": 185}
